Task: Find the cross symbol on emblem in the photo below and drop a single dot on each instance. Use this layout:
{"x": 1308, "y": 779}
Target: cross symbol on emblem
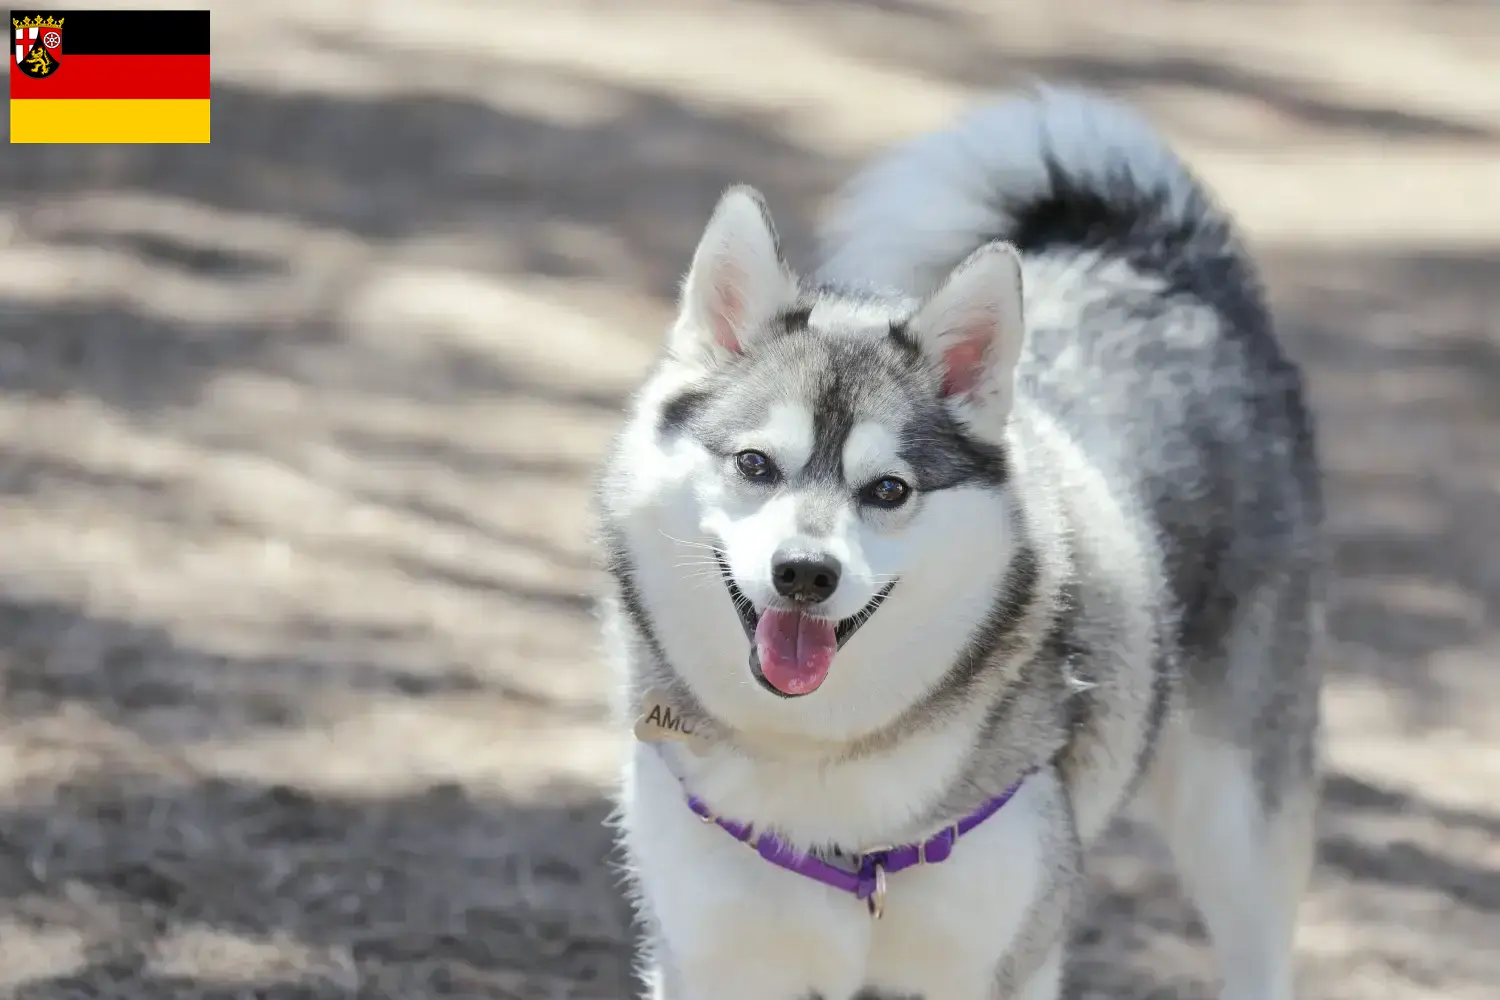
{"x": 25, "y": 39}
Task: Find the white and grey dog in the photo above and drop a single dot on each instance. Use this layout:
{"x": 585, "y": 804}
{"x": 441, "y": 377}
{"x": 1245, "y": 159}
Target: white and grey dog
{"x": 925, "y": 564}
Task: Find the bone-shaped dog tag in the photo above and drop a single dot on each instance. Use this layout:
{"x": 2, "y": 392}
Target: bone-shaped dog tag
{"x": 661, "y": 719}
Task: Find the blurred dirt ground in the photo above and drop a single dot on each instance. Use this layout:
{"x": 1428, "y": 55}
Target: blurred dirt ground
{"x": 297, "y": 672}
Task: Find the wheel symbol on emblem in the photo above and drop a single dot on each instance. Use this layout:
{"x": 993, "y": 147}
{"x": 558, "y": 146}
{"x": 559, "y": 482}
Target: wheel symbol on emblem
{"x": 51, "y": 39}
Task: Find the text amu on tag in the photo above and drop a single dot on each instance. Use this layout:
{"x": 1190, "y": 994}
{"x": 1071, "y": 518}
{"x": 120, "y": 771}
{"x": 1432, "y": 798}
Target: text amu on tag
{"x": 660, "y": 720}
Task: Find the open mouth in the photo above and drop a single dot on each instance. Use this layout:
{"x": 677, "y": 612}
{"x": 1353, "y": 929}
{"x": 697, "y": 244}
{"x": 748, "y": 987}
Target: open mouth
{"x": 791, "y": 651}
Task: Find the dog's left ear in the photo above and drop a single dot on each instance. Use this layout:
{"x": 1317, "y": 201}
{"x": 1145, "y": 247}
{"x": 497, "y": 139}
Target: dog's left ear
{"x": 737, "y": 284}
{"x": 973, "y": 326}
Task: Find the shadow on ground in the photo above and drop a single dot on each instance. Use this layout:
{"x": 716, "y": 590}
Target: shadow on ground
{"x": 390, "y": 170}
{"x": 220, "y": 888}
{"x": 957, "y": 46}
{"x": 1401, "y": 351}
{"x": 143, "y": 678}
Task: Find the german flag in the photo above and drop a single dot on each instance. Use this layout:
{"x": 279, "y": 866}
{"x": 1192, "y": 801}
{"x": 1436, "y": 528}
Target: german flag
{"x": 128, "y": 76}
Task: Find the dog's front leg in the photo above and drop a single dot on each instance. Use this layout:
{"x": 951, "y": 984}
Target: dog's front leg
{"x": 726, "y": 924}
{"x": 718, "y": 940}
{"x": 765, "y": 979}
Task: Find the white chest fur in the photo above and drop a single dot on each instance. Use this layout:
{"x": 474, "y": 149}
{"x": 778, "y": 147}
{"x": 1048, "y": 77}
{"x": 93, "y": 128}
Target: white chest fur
{"x": 733, "y": 926}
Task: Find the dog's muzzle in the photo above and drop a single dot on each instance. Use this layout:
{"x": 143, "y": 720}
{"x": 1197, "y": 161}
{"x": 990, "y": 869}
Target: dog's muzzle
{"x": 750, "y": 618}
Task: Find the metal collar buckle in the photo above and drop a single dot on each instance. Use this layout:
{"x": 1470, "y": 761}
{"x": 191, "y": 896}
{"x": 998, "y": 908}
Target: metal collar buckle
{"x": 876, "y": 902}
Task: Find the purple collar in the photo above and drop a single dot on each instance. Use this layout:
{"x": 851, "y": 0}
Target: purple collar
{"x": 866, "y": 878}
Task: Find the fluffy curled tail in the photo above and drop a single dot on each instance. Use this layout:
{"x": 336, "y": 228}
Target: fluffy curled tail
{"x": 1054, "y": 169}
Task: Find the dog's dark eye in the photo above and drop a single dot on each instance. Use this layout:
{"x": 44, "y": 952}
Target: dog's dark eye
{"x": 754, "y": 465}
{"x": 887, "y": 491}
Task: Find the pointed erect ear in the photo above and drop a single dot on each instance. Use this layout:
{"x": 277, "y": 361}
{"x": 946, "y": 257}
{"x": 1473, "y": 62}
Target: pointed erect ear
{"x": 973, "y": 326}
{"x": 738, "y": 281}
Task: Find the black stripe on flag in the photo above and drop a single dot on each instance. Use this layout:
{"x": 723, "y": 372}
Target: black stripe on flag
{"x": 128, "y": 32}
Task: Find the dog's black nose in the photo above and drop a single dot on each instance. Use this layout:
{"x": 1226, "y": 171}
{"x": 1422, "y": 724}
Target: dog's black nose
{"x": 804, "y": 577}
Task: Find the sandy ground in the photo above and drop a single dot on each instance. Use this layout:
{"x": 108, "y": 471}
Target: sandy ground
{"x": 297, "y": 677}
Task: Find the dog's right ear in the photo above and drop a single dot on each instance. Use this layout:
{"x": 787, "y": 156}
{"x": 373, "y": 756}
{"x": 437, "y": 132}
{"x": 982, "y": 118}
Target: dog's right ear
{"x": 738, "y": 281}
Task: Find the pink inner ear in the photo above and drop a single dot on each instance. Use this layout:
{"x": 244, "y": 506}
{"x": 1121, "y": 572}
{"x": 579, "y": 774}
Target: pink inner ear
{"x": 729, "y": 307}
{"x": 963, "y": 365}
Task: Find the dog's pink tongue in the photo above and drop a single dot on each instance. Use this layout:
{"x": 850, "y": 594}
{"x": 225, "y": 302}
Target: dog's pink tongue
{"x": 795, "y": 651}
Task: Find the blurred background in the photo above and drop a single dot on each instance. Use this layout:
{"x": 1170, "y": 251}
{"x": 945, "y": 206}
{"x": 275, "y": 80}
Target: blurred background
{"x": 298, "y": 688}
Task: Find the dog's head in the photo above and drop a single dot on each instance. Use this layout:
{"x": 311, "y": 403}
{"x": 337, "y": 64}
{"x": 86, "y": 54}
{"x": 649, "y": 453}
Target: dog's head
{"x": 834, "y": 468}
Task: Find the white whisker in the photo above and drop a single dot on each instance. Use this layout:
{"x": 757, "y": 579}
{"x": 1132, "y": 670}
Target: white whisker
{"x": 689, "y": 543}
{"x": 705, "y": 563}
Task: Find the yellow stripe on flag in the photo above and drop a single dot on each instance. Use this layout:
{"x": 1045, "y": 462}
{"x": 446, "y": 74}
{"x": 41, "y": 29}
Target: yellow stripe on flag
{"x": 129, "y": 121}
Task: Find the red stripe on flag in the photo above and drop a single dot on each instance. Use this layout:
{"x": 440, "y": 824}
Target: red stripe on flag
{"x": 116, "y": 77}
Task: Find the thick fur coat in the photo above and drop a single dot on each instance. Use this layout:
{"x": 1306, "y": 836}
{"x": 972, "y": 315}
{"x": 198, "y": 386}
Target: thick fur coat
{"x": 1015, "y": 484}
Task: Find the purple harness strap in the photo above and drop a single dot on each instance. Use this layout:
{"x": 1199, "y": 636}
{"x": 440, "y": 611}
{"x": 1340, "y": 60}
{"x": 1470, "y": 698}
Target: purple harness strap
{"x": 867, "y": 880}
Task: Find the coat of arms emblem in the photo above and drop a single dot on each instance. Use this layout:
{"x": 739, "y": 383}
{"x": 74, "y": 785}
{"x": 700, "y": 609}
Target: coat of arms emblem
{"x": 38, "y": 45}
